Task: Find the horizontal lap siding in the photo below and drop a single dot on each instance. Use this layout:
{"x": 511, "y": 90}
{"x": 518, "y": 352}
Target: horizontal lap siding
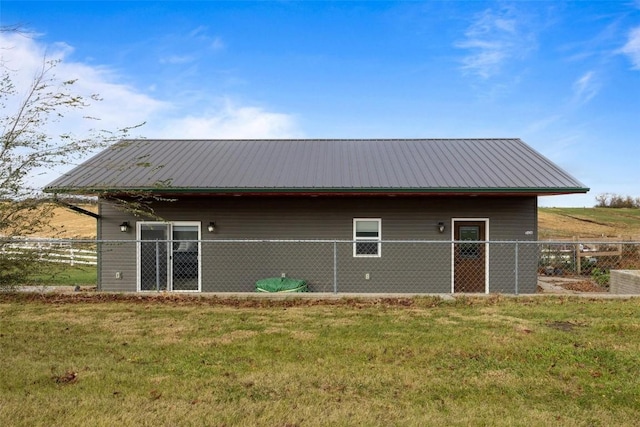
{"x": 116, "y": 257}
{"x": 235, "y": 267}
{"x": 401, "y": 268}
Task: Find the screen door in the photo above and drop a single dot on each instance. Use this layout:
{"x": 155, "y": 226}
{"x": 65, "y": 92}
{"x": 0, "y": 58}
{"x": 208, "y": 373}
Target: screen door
{"x": 169, "y": 256}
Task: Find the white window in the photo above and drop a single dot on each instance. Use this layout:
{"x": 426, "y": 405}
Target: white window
{"x": 367, "y": 234}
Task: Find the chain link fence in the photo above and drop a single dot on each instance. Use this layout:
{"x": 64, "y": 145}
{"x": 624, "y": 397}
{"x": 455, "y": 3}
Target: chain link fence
{"x": 332, "y": 266}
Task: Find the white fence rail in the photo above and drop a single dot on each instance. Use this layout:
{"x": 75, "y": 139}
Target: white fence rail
{"x": 54, "y": 251}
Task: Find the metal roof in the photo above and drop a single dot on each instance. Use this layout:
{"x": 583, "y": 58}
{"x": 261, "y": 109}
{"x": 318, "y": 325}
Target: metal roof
{"x": 320, "y": 166}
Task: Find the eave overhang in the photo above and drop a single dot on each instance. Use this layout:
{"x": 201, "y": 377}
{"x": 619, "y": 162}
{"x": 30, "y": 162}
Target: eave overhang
{"x": 301, "y": 192}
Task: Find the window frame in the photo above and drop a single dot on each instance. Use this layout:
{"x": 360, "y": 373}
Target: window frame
{"x": 377, "y": 239}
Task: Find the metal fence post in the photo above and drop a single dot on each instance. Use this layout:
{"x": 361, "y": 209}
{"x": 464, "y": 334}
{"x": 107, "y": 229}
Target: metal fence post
{"x": 157, "y": 265}
{"x": 516, "y": 268}
{"x": 335, "y": 267}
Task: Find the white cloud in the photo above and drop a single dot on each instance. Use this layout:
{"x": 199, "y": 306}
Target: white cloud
{"x": 232, "y": 122}
{"x": 542, "y": 124}
{"x": 177, "y": 59}
{"x": 123, "y": 105}
{"x": 217, "y": 44}
{"x": 585, "y": 88}
{"x": 632, "y": 48}
{"x": 120, "y": 106}
{"x": 493, "y": 39}
{"x": 200, "y": 33}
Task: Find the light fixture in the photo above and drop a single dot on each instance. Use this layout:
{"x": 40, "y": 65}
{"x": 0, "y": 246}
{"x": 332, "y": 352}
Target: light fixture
{"x": 441, "y": 227}
{"x": 211, "y": 227}
{"x": 124, "y": 227}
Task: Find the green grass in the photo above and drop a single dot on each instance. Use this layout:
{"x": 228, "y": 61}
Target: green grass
{"x": 608, "y": 216}
{"x": 171, "y": 360}
{"x": 64, "y": 274}
{"x": 603, "y": 215}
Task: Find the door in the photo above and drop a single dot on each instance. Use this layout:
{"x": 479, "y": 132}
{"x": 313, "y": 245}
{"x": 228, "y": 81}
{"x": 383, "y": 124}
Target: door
{"x": 469, "y": 259}
{"x": 153, "y": 265}
{"x": 185, "y": 258}
{"x": 169, "y": 256}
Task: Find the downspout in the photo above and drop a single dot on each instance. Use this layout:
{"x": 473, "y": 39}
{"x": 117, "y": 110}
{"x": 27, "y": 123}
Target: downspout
{"x": 75, "y": 208}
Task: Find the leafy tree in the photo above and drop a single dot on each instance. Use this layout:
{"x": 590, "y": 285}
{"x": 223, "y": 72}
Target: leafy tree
{"x": 28, "y": 146}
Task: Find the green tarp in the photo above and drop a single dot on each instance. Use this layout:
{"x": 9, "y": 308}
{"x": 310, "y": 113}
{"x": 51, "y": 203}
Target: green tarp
{"x": 281, "y": 284}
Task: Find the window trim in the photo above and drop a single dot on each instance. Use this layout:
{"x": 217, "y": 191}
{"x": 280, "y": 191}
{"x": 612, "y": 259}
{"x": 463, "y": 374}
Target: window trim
{"x": 377, "y": 239}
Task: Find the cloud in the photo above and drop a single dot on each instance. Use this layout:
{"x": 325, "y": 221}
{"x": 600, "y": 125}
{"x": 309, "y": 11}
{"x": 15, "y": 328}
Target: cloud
{"x": 120, "y": 106}
{"x": 124, "y": 105}
{"x": 217, "y": 44}
{"x": 585, "y": 88}
{"x": 200, "y": 33}
{"x": 177, "y": 59}
{"x": 542, "y": 124}
{"x": 632, "y": 48}
{"x": 231, "y": 121}
{"x": 493, "y": 39}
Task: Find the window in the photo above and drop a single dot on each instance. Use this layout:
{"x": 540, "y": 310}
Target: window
{"x": 366, "y": 233}
{"x": 469, "y": 250}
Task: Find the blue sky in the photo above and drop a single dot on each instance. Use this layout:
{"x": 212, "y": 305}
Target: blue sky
{"x": 562, "y": 76}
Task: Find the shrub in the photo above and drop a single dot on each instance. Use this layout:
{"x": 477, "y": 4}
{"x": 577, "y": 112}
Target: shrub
{"x": 601, "y": 277}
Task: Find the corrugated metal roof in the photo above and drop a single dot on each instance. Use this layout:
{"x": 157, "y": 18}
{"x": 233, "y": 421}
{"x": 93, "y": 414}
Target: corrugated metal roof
{"x": 316, "y": 166}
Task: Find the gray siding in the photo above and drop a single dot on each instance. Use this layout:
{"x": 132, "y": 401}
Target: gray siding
{"x": 401, "y": 268}
{"x": 116, "y": 257}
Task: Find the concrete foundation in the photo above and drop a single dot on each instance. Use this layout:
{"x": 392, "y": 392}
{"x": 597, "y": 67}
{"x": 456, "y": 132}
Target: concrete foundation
{"x": 625, "y": 282}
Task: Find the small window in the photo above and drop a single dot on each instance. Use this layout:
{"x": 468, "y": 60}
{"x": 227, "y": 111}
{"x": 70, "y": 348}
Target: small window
{"x": 469, "y": 250}
{"x": 366, "y": 233}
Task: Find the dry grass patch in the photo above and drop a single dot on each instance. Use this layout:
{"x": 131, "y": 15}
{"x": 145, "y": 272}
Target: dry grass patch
{"x": 69, "y": 224}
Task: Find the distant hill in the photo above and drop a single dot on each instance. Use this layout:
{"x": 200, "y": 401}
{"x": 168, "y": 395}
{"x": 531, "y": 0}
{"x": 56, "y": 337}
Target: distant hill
{"x": 591, "y": 223}
{"x": 68, "y": 224}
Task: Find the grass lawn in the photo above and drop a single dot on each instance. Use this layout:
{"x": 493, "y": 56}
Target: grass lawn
{"x": 63, "y": 274}
{"x": 593, "y": 223}
{"x": 104, "y": 360}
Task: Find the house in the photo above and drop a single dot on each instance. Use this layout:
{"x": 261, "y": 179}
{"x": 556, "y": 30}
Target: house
{"x": 361, "y": 198}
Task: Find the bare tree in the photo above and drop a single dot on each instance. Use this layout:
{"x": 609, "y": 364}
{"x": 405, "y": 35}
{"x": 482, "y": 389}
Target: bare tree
{"x": 608, "y": 200}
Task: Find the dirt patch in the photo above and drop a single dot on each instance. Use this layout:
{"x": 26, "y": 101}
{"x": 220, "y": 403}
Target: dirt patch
{"x": 68, "y": 377}
{"x": 564, "y": 326}
{"x": 583, "y": 286}
{"x": 568, "y": 285}
{"x": 193, "y": 300}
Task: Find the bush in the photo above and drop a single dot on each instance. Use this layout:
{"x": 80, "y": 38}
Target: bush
{"x": 601, "y": 277}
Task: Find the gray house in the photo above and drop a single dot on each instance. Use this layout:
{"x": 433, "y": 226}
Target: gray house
{"x": 449, "y": 197}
